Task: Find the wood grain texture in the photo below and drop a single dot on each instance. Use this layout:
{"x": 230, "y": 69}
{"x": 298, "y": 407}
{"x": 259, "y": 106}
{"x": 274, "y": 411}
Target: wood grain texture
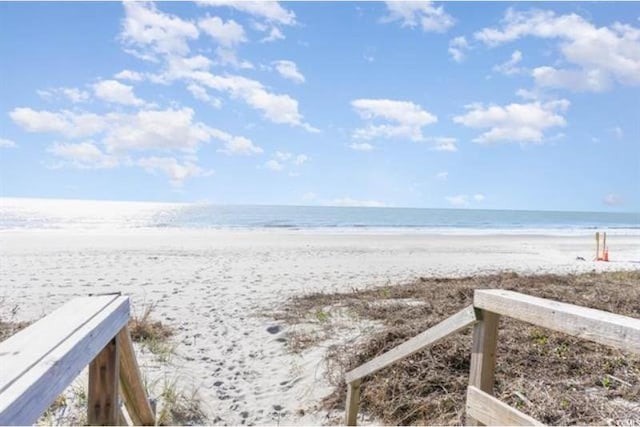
{"x": 104, "y": 374}
{"x": 133, "y": 393}
{"x": 490, "y": 411}
{"x": 483, "y": 355}
{"x": 25, "y": 349}
{"x": 27, "y": 396}
{"x": 453, "y": 324}
{"x": 606, "y": 328}
{"x": 353, "y": 401}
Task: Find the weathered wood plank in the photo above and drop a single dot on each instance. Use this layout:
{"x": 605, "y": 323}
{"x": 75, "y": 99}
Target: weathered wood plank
{"x": 606, "y": 328}
{"x": 25, "y": 349}
{"x": 133, "y": 392}
{"x": 453, "y": 324}
{"x": 26, "y": 398}
{"x": 483, "y": 355}
{"x": 104, "y": 373}
{"x": 353, "y": 401}
{"x": 491, "y": 411}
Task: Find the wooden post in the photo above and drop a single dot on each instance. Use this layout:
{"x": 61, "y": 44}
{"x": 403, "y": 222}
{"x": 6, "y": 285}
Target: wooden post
{"x": 483, "y": 355}
{"x": 103, "y": 386}
{"x": 353, "y": 400}
{"x": 133, "y": 392}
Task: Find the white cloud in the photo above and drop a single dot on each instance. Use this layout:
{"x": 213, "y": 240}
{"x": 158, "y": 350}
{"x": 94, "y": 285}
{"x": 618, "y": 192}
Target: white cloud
{"x": 166, "y": 130}
{"x": 524, "y": 123}
{"x": 275, "y": 107}
{"x": 115, "y": 92}
{"x": 122, "y": 135}
{"x": 442, "y": 143}
{"x": 201, "y": 94}
{"x": 479, "y": 197}
{"x": 361, "y": 146}
{"x": 274, "y": 34}
{"x": 598, "y": 55}
{"x": 510, "y": 66}
{"x": 134, "y": 76}
{"x": 349, "y": 202}
{"x": 64, "y": 122}
{"x": 528, "y": 95}
{"x": 576, "y": 80}
{"x": 300, "y": 159}
{"x": 460, "y": 200}
{"x": 236, "y": 145}
{"x": 282, "y": 159}
{"x": 154, "y": 33}
{"x": 73, "y": 94}
{"x": 274, "y": 165}
{"x": 442, "y": 176}
{"x": 423, "y": 13}
{"x": 7, "y": 143}
{"x": 227, "y": 56}
{"x": 283, "y": 155}
{"x": 289, "y": 70}
{"x": 85, "y": 155}
{"x": 270, "y": 11}
{"x": 618, "y": 132}
{"x": 171, "y": 129}
{"x": 176, "y": 171}
{"x": 406, "y": 119}
{"x": 145, "y": 27}
{"x": 228, "y": 33}
{"x": 457, "y": 48}
{"x": 612, "y": 200}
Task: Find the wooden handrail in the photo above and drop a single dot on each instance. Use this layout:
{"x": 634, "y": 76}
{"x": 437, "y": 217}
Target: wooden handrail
{"x": 451, "y": 325}
{"x": 606, "y": 328}
{"x": 40, "y": 361}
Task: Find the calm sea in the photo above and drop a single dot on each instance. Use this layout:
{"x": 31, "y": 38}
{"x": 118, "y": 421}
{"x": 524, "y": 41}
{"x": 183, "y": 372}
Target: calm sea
{"x": 76, "y": 214}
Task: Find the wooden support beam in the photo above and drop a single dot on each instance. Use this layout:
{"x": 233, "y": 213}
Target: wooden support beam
{"x": 483, "y": 355}
{"x": 452, "y": 324}
{"x": 104, "y": 373}
{"x": 606, "y": 328}
{"x": 353, "y": 400}
{"x": 491, "y": 411}
{"x": 133, "y": 392}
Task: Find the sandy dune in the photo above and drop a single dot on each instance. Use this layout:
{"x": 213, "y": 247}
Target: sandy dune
{"x": 213, "y": 286}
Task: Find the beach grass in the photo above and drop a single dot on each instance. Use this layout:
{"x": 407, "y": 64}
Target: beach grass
{"x": 553, "y": 377}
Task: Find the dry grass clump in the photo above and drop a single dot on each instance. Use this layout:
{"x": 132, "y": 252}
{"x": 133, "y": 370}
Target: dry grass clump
{"x": 553, "y": 377}
{"x": 142, "y": 328}
{"x": 152, "y": 334}
{"x": 8, "y": 326}
{"x": 179, "y": 407}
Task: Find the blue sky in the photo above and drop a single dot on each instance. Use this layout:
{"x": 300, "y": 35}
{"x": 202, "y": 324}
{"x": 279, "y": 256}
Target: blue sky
{"x": 478, "y": 105}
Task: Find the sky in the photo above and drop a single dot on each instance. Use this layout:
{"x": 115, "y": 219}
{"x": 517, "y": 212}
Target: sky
{"x": 451, "y": 104}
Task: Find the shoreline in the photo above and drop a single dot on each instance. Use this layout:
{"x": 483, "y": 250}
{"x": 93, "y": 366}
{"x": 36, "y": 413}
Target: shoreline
{"x": 338, "y": 231}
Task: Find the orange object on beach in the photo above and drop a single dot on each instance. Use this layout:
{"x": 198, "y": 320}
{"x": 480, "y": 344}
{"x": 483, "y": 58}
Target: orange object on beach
{"x": 606, "y": 255}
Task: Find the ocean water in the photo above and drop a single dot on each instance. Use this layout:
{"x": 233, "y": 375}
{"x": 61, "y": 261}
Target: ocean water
{"x": 81, "y": 214}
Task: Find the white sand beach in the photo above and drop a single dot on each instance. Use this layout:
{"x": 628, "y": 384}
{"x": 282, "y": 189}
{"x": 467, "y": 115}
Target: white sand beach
{"x": 215, "y": 287}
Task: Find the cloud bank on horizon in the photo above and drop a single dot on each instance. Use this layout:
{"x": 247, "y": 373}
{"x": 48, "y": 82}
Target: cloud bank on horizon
{"x": 400, "y": 103}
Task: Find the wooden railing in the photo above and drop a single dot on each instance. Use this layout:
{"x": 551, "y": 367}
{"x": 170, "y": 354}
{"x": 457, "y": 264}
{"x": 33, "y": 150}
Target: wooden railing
{"x": 39, "y": 362}
{"x": 482, "y": 408}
